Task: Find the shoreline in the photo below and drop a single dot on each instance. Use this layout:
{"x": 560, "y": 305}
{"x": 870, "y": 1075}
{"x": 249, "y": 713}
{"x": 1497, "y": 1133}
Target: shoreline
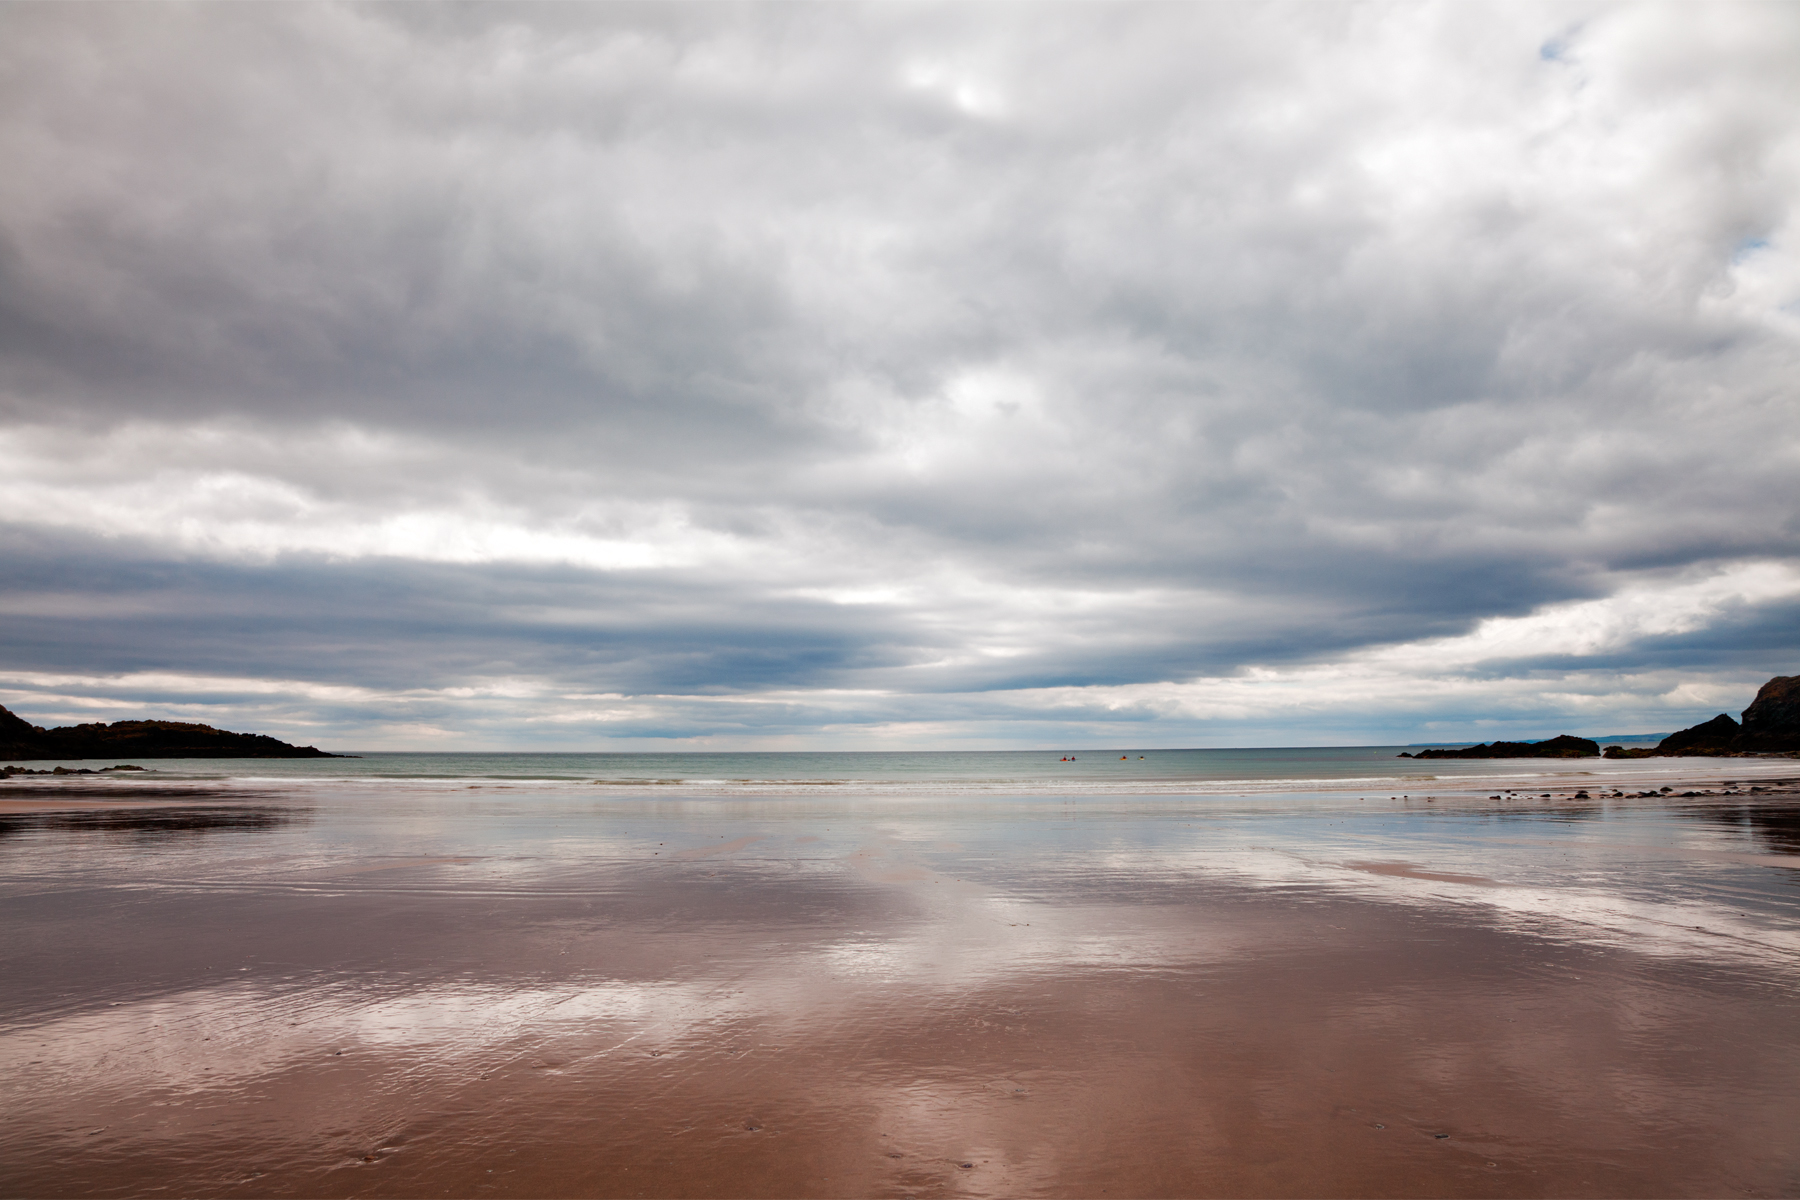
{"x": 42, "y": 794}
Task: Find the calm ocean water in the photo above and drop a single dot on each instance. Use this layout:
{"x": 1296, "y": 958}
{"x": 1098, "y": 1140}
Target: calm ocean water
{"x": 1121, "y": 771}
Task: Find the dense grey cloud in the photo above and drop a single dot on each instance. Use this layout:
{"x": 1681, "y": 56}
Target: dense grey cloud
{"x": 886, "y": 375}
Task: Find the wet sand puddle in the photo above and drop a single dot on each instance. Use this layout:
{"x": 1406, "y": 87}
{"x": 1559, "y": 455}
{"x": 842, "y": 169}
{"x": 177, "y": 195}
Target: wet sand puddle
{"x": 1030, "y": 998}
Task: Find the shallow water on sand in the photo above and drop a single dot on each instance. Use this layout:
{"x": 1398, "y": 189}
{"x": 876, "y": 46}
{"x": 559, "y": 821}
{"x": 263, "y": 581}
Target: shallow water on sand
{"x": 436, "y": 988}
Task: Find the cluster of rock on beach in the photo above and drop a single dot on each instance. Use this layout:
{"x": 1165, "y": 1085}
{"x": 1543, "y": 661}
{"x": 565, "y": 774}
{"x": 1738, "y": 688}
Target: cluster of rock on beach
{"x": 1771, "y": 725}
{"x": 1728, "y": 787}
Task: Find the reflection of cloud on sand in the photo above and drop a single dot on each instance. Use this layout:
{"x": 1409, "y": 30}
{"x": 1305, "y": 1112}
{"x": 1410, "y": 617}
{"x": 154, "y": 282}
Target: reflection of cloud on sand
{"x": 225, "y": 1036}
{"x": 766, "y": 955}
{"x": 1534, "y": 900}
{"x": 1024, "y": 1013}
{"x": 967, "y": 937}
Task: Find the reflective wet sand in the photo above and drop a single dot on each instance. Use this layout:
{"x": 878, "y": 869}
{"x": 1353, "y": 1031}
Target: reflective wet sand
{"x": 491, "y": 991}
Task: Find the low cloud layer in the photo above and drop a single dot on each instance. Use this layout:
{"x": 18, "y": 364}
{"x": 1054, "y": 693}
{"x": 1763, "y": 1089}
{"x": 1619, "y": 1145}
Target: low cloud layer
{"x": 790, "y": 375}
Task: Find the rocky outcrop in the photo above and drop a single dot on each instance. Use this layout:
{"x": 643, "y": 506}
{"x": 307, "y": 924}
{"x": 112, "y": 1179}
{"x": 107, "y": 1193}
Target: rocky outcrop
{"x": 1634, "y": 752}
{"x": 1771, "y": 726}
{"x": 22, "y": 741}
{"x": 1772, "y": 722}
{"x": 17, "y": 734}
{"x": 1564, "y": 746}
{"x": 1716, "y": 736}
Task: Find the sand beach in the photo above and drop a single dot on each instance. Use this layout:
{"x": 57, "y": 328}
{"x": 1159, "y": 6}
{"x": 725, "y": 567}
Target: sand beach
{"x": 491, "y": 989}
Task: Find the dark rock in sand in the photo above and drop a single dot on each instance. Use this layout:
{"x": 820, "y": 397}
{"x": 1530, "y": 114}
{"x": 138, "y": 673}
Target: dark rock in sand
{"x": 20, "y": 740}
{"x": 1564, "y": 746}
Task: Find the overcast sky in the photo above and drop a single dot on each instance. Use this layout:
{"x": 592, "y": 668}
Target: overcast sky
{"x": 783, "y": 376}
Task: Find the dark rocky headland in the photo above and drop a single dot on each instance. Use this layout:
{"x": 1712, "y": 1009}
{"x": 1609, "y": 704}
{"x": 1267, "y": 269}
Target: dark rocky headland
{"x": 22, "y": 741}
{"x": 1771, "y": 725}
{"x": 1565, "y": 746}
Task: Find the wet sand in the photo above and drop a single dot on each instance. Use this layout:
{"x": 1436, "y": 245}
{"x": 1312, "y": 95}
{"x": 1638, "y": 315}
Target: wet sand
{"x": 279, "y": 995}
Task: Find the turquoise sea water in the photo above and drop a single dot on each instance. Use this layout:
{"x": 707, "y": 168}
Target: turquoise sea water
{"x": 1122, "y": 771}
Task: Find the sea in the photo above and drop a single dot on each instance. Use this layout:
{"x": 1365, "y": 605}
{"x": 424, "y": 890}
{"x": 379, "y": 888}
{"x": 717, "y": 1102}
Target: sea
{"x": 1122, "y": 771}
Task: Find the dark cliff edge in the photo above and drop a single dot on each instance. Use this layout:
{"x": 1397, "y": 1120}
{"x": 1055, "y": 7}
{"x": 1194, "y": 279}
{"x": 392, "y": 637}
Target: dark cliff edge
{"x": 1565, "y": 746}
{"x": 22, "y": 741}
{"x": 1771, "y": 725}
